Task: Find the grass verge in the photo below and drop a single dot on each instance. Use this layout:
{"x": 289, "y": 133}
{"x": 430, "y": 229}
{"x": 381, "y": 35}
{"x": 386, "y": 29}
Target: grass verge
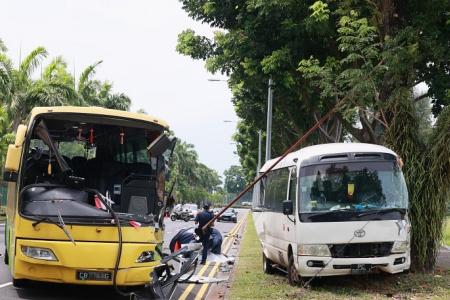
{"x": 447, "y": 232}
{"x": 251, "y": 283}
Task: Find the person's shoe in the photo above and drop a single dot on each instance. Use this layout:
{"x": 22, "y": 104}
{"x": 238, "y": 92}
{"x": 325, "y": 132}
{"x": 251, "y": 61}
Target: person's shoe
{"x": 203, "y": 262}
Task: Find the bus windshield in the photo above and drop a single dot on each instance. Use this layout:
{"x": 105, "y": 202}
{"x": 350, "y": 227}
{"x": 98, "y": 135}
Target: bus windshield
{"x": 352, "y": 186}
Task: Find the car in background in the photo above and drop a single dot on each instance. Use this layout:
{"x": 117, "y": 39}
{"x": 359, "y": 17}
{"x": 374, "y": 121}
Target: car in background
{"x": 229, "y": 215}
{"x": 191, "y": 208}
{"x": 246, "y": 203}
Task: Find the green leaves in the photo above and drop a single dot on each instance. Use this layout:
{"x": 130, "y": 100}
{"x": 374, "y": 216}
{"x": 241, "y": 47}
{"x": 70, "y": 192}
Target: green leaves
{"x": 198, "y": 47}
{"x": 320, "y": 11}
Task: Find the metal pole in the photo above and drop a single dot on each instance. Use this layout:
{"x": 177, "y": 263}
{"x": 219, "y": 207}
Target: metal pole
{"x": 258, "y": 167}
{"x": 269, "y": 120}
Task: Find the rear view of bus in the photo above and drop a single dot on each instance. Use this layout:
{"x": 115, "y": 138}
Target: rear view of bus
{"x": 344, "y": 211}
{"x": 75, "y": 174}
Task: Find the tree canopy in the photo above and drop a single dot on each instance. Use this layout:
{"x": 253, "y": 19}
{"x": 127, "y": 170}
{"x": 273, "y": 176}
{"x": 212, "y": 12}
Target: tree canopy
{"x": 371, "y": 53}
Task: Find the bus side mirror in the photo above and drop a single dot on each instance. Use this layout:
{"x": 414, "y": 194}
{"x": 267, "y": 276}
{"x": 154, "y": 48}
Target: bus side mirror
{"x": 14, "y": 154}
{"x": 288, "y": 207}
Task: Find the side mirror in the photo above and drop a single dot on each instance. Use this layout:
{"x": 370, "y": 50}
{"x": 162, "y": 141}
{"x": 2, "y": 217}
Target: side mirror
{"x": 12, "y": 163}
{"x": 14, "y": 154}
{"x": 288, "y": 207}
{"x": 20, "y": 135}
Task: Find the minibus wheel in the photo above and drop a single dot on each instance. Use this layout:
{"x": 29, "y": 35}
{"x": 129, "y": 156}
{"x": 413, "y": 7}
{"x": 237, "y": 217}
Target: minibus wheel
{"x": 293, "y": 276}
{"x": 267, "y": 265}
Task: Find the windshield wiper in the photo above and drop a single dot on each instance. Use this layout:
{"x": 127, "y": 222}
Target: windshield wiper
{"x": 60, "y": 224}
{"x": 381, "y": 211}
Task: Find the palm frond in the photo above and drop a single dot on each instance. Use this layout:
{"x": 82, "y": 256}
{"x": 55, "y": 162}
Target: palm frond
{"x": 86, "y": 75}
{"x": 3, "y": 46}
{"x": 56, "y": 64}
{"x": 32, "y": 61}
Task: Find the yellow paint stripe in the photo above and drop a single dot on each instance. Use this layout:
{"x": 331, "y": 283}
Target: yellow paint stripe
{"x": 214, "y": 270}
{"x": 191, "y": 286}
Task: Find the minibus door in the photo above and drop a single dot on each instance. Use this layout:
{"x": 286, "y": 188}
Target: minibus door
{"x": 290, "y": 220}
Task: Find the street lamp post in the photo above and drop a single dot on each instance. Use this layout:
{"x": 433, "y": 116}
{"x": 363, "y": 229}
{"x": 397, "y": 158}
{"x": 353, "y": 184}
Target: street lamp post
{"x": 269, "y": 119}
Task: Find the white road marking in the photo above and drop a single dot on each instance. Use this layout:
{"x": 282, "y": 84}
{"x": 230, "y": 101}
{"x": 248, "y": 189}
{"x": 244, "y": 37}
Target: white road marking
{"x": 5, "y": 284}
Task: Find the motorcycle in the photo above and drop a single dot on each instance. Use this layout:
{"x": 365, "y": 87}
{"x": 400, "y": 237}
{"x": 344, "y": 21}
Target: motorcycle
{"x": 180, "y": 215}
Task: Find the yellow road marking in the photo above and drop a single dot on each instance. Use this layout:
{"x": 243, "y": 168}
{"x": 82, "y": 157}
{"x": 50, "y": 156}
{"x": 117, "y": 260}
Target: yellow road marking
{"x": 205, "y": 267}
{"x": 204, "y": 287}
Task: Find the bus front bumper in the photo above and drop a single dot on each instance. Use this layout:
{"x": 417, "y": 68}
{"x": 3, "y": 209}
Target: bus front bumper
{"x": 310, "y": 266}
{"x": 84, "y": 257}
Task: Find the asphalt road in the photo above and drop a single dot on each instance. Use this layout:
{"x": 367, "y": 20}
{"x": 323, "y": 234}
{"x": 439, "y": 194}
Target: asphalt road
{"x": 41, "y": 291}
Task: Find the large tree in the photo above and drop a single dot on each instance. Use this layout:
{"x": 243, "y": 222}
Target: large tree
{"x": 370, "y": 54}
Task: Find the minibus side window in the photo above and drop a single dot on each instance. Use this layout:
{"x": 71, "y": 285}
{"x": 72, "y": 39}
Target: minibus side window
{"x": 276, "y": 189}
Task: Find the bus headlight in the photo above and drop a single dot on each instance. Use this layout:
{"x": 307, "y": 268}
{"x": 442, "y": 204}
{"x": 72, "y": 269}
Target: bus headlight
{"x": 39, "y": 253}
{"x": 146, "y": 256}
{"x": 400, "y": 247}
{"x": 314, "y": 250}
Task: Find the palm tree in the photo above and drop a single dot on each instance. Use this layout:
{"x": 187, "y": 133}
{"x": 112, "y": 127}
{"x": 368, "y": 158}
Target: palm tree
{"x": 20, "y": 92}
{"x": 96, "y": 93}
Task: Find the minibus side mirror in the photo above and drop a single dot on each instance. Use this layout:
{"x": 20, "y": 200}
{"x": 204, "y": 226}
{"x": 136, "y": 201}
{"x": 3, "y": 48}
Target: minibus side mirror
{"x": 14, "y": 154}
{"x": 288, "y": 207}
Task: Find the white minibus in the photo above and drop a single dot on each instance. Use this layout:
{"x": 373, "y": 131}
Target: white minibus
{"x": 334, "y": 209}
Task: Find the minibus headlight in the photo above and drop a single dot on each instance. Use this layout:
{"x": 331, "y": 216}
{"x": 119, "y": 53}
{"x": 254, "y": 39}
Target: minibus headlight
{"x": 314, "y": 250}
{"x": 146, "y": 256}
{"x": 400, "y": 247}
{"x": 39, "y": 253}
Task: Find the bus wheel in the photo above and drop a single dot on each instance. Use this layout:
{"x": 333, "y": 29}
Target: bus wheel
{"x": 6, "y": 257}
{"x": 267, "y": 265}
{"x": 20, "y": 283}
{"x": 293, "y": 276}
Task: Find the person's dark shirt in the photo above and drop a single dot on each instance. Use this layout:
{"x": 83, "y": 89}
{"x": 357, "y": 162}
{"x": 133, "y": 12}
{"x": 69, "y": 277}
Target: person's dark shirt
{"x": 203, "y": 217}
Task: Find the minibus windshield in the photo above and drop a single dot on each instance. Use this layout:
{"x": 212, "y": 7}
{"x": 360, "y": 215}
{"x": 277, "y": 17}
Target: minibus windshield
{"x": 352, "y": 187}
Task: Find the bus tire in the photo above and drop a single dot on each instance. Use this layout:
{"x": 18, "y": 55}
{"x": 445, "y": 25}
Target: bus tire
{"x": 267, "y": 265}
{"x": 293, "y": 277}
{"x": 6, "y": 257}
{"x": 20, "y": 283}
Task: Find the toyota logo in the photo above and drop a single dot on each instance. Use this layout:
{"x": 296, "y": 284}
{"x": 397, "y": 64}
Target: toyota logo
{"x": 359, "y": 233}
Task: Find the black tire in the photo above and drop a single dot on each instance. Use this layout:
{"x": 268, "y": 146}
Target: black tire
{"x": 267, "y": 265}
{"x": 293, "y": 277}
{"x": 235, "y": 221}
{"x": 20, "y": 283}
{"x": 6, "y": 257}
{"x": 186, "y": 219}
{"x": 173, "y": 218}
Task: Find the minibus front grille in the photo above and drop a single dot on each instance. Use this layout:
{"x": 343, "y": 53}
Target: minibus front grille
{"x": 360, "y": 250}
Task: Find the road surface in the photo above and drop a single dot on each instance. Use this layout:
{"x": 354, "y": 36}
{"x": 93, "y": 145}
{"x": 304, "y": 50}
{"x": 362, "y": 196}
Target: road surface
{"x": 41, "y": 291}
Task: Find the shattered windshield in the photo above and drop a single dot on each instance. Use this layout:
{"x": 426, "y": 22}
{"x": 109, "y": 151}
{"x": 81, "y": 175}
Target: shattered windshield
{"x": 79, "y": 169}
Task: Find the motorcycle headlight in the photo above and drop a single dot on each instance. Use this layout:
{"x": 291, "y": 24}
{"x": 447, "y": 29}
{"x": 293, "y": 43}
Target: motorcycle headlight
{"x": 39, "y": 253}
{"x": 400, "y": 247}
{"x": 314, "y": 250}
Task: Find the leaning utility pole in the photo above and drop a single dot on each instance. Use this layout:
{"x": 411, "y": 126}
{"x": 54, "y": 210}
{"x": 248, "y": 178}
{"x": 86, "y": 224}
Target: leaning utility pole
{"x": 269, "y": 119}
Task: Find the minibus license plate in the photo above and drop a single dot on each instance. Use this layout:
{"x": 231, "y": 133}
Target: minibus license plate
{"x": 361, "y": 268}
{"x": 94, "y": 275}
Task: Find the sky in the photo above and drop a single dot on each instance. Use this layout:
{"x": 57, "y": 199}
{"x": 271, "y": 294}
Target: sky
{"x": 136, "y": 40}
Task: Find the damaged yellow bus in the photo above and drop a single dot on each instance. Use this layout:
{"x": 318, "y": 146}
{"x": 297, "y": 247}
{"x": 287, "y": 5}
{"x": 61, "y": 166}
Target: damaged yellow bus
{"x": 86, "y": 196}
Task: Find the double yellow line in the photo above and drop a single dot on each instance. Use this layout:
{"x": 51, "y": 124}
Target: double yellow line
{"x": 227, "y": 242}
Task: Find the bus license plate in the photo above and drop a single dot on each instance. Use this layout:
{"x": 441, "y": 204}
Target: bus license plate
{"x": 94, "y": 275}
{"x": 361, "y": 268}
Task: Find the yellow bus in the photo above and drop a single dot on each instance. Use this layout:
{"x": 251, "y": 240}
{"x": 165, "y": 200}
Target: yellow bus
{"x": 86, "y": 196}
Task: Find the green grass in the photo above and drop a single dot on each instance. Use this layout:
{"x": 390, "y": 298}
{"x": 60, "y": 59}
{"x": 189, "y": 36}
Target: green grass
{"x": 251, "y": 283}
{"x": 446, "y": 237}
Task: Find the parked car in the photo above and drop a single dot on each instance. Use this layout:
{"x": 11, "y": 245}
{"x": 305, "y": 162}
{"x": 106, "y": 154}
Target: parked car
{"x": 229, "y": 215}
{"x": 246, "y": 203}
